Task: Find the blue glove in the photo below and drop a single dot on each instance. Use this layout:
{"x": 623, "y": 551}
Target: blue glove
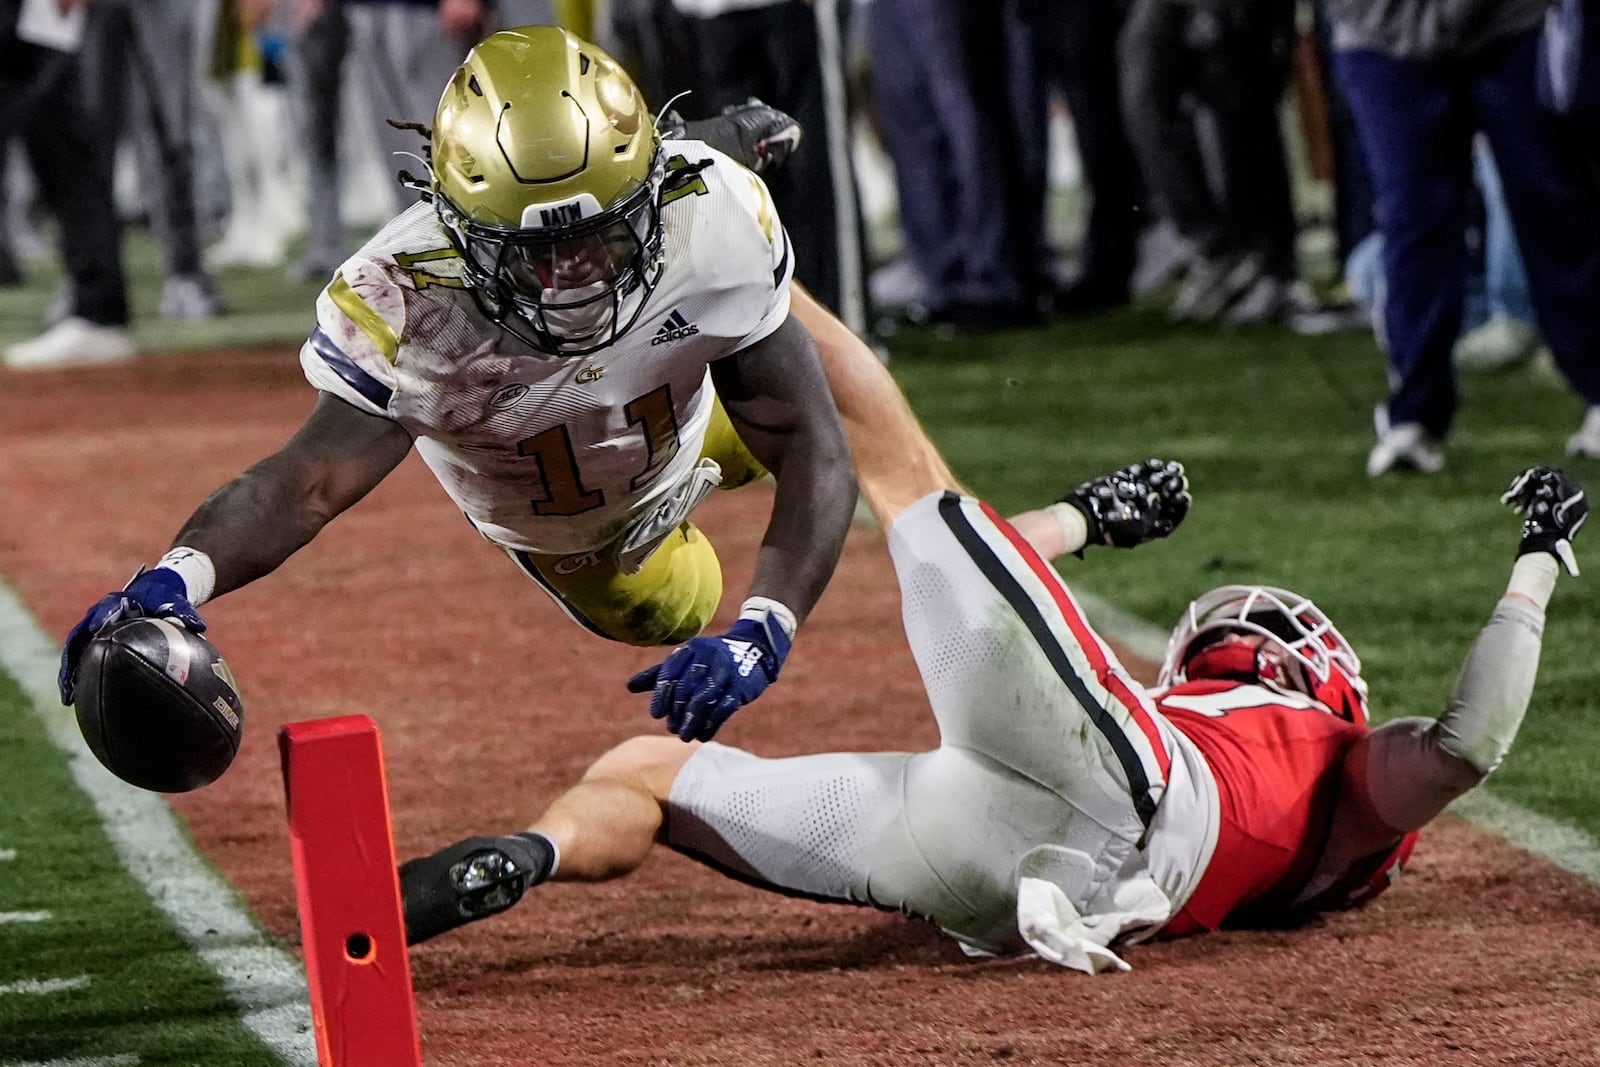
{"x": 158, "y": 593}
{"x": 707, "y": 679}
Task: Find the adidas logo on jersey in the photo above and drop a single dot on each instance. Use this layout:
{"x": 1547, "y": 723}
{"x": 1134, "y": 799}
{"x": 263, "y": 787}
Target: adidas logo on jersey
{"x": 675, "y": 328}
{"x": 746, "y": 656}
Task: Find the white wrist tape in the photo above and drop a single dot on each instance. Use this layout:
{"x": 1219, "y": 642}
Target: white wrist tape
{"x": 1534, "y": 576}
{"x": 760, "y": 607}
{"x": 199, "y": 574}
{"x": 1074, "y": 527}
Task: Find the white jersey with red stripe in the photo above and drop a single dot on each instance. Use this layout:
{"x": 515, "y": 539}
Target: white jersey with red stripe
{"x": 1061, "y": 812}
{"x": 552, "y": 454}
{"x": 1067, "y": 809}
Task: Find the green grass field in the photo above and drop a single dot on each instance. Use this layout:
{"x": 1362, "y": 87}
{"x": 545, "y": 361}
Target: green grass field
{"x": 1273, "y": 427}
{"x": 129, "y": 984}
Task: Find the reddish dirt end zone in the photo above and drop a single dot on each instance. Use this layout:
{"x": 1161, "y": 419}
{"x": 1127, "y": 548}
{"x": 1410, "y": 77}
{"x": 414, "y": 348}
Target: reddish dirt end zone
{"x": 489, "y": 701}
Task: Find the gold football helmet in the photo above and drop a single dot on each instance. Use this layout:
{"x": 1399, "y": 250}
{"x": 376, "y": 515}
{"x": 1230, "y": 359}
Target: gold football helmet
{"x": 546, "y": 174}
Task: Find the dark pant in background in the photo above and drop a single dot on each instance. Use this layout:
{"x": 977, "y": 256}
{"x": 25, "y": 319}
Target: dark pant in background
{"x": 1076, "y": 42}
{"x": 963, "y": 121}
{"x": 786, "y": 54}
{"x": 41, "y": 100}
{"x": 1416, "y": 122}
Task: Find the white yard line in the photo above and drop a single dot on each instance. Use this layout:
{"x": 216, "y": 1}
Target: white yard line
{"x": 124, "y": 1059}
{"x": 266, "y": 982}
{"x": 39, "y": 987}
{"x": 23, "y": 917}
{"x": 1567, "y": 847}
{"x": 7, "y": 854}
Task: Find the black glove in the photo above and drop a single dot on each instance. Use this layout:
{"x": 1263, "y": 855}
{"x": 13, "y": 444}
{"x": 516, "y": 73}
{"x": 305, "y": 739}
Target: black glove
{"x": 1133, "y": 505}
{"x": 1553, "y": 508}
{"x": 758, "y": 136}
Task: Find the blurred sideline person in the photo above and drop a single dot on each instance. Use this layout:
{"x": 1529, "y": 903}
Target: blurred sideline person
{"x": 1232, "y": 60}
{"x": 1076, "y": 45}
{"x": 962, "y": 117}
{"x": 143, "y": 63}
{"x": 1421, "y": 78}
{"x": 789, "y": 52}
{"x": 42, "y": 105}
{"x": 315, "y": 60}
{"x": 582, "y": 330}
{"x": 406, "y": 49}
{"x": 1067, "y": 810}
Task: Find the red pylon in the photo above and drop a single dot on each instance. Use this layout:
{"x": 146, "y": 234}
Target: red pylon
{"x": 349, "y": 894}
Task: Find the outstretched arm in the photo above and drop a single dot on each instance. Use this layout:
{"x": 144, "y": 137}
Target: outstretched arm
{"x": 1407, "y": 771}
{"x": 255, "y": 522}
{"x": 258, "y": 520}
{"x": 898, "y": 464}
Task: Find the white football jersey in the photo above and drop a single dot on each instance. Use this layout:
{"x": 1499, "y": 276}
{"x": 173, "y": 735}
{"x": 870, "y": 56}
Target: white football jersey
{"x": 555, "y": 454}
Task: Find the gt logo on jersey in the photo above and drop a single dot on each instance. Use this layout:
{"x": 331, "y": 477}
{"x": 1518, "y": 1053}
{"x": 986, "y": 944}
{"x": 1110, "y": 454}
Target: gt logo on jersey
{"x": 572, "y": 564}
{"x": 592, "y": 373}
{"x": 675, "y": 328}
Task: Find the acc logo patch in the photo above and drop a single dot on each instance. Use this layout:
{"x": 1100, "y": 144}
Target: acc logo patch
{"x": 507, "y": 396}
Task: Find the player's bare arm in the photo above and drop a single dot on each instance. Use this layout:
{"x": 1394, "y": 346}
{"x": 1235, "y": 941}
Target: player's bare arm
{"x": 251, "y": 525}
{"x": 897, "y": 463}
{"x": 894, "y": 459}
{"x": 262, "y": 517}
{"x": 1403, "y": 774}
{"x": 778, "y": 400}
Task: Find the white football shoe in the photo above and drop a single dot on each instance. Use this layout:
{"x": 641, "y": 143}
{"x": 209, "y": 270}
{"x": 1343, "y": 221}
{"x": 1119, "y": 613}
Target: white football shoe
{"x": 1586, "y": 442}
{"x": 72, "y": 342}
{"x": 1403, "y": 446}
{"x": 191, "y": 296}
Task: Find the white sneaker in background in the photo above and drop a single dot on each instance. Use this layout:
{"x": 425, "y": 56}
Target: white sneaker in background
{"x": 1502, "y": 343}
{"x": 191, "y": 296}
{"x": 1212, "y": 285}
{"x": 1267, "y": 300}
{"x": 1585, "y": 443}
{"x": 1404, "y": 446}
{"x": 248, "y": 244}
{"x": 1163, "y": 256}
{"x": 72, "y": 342}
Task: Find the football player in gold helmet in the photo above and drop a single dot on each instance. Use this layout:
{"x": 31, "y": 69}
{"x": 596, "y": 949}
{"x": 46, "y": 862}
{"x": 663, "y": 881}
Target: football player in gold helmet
{"x": 582, "y": 327}
{"x": 547, "y": 175}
